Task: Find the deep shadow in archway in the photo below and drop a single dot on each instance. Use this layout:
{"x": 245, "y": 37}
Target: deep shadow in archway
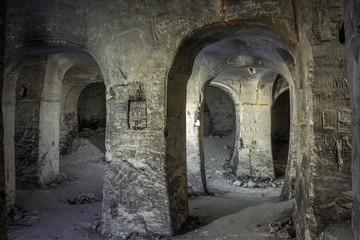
{"x": 280, "y": 130}
{"x": 92, "y": 114}
{"x": 219, "y": 131}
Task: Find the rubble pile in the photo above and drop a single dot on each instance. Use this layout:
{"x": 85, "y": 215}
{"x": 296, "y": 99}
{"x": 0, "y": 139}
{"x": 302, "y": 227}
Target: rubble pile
{"x": 283, "y": 229}
{"x": 83, "y": 198}
{"x": 256, "y": 182}
{"x": 15, "y": 214}
{"x": 18, "y": 217}
{"x": 59, "y": 179}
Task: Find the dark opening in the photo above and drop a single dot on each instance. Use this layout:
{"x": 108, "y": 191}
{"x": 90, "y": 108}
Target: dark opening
{"x": 342, "y": 34}
{"x": 219, "y": 130}
{"x": 280, "y": 129}
{"x": 23, "y": 91}
{"x": 92, "y": 110}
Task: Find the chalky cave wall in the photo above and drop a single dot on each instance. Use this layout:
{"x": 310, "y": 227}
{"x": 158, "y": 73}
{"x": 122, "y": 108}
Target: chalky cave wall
{"x": 134, "y": 44}
{"x": 323, "y": 182}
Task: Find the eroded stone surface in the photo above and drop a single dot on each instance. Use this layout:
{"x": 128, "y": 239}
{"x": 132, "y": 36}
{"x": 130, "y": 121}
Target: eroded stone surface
{"x": 149, "y": 52}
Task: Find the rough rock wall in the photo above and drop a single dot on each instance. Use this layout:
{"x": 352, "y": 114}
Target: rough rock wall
{"x": 125, "y": 36}
{"x": 221, "y": 112}
{"x": 28, "y": 98}
{"x": 304, "y": 216}
{"x": 352, "y": 40}
{"x": 323, "y": 177}
{"x": 3, "y": 207}
{"x": 332, "y": 119}
{"x": 176, "y": 166}
{"x": 194, "y": 126}
{"x": 255, "y": 158}
{"x": 91, "y": 107}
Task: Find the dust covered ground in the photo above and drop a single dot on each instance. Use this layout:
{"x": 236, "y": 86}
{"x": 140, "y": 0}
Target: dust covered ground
{"x": 70, "y": 208}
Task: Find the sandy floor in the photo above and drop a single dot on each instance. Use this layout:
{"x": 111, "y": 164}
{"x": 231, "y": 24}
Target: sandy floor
{"x": 47, "y": 215}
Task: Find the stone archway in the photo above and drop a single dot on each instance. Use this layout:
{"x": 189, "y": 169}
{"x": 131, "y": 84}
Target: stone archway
{"x": 220, "y": 124}
{"x": 56, "y": 63}
{"x": 178, "y": 77}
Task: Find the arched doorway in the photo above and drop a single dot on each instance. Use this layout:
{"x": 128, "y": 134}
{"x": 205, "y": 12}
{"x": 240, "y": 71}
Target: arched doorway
{"x": 51, "y": 85}
{"x": 191, "y": 67}
{"x": 219, "y": 131}
{"x": 280, "y": 125}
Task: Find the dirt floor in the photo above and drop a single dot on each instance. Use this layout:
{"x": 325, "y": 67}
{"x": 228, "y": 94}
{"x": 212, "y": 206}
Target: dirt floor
{"x": 232, "y": 212}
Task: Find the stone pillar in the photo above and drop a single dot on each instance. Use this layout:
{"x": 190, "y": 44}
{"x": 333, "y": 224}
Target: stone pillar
{"x": 194, "y": 124}
{"x": 49, "y": 126}
{"x": 195, "y": 158}
{"x": 27, "y": 94}
{"x": 254, "y": 147}
{"x": 143, "y": 188}
{"x": 3, "y": 190}
{"x": 255, "y": 156}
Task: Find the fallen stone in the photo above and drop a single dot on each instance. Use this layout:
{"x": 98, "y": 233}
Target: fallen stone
{"x": 347, "y": 205}
{"x": 237, "y": 183}
{"x": 226, "y": 147}
{"x": 16, "y": 214}
{"x": 284, "y": 234}
{"x": 251, "y": 184}
{"x": 284, "y": 229}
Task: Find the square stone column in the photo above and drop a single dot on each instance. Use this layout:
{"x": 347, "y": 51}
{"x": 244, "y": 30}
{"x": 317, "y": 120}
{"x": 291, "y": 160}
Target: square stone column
{"x": 255, "y": 156}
